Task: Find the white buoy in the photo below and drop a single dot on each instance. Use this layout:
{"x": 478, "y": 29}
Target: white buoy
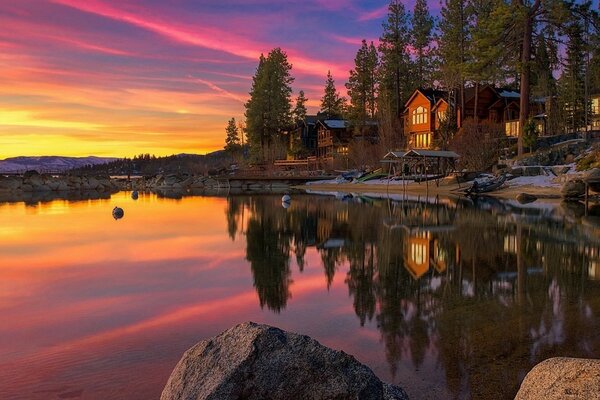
{"x": 135, "y": 195}
{"x": 285, "y": 205}
{"x": 286, "y": 198}
{"x": 118, "y": 213}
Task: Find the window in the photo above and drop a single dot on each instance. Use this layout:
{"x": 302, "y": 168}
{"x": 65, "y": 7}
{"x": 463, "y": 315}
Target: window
{"x": 419, "y": 115}
{"x": 422, "y": 140}
{"x": 441, "y": 115}
{"x": 596, "y": 106}
{"x": 512, "y": 128}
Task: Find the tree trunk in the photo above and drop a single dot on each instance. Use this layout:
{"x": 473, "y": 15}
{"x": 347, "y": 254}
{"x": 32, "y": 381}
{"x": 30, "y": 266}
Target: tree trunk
{"x": 525, "y": 72}
{"x": 475, "y": 116}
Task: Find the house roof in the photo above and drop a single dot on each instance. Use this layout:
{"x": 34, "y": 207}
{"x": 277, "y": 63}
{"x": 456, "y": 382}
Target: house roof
{"x": 470, "y": 92}
{"x": 422, "y": 153}
{"x": 437, "y": 103}
{"x": 433, "y": 95}
{"x": 335, "y": 123}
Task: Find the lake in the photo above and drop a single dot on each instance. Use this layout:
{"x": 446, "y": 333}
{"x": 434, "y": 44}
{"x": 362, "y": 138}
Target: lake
{"x": 446, "y": 298}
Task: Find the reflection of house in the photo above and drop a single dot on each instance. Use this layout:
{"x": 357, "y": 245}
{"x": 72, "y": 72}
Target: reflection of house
{"x": 426, "y": 109}
{"x": 418, "y": 254}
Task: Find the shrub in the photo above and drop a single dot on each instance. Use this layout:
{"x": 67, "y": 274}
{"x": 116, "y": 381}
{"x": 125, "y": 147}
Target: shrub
{"x": 478, "y": 145}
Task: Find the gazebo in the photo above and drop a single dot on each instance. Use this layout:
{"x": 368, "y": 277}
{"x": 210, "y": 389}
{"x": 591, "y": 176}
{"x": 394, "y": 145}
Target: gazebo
{"x": 420, "y": 164}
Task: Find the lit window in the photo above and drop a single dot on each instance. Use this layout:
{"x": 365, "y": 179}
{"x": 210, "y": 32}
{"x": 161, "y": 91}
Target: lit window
{"x": 419, "y": 115}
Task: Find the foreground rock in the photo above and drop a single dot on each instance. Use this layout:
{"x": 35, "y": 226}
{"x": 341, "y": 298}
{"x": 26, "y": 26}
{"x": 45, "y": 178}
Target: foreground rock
{"x": 562, "y": 378}
{"x": 252, "y": 361}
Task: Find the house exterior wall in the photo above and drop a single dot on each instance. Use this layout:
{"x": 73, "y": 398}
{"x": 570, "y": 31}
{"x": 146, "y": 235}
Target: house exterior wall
{"x": 419, "y": 122}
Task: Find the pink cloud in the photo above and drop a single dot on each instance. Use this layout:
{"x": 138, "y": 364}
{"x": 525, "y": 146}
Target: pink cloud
{"x": 373, "y": 14}
{"x": 206, "y": 37}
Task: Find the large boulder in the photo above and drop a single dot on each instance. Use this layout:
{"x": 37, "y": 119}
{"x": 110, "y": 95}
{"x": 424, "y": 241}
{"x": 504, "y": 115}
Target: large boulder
{"x": 573, "y": 189}
{"x": 253, "y": 362}
{"x": 562, "y": 378}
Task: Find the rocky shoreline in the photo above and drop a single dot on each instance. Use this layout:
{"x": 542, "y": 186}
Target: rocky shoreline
{"x": 32, "y": 186}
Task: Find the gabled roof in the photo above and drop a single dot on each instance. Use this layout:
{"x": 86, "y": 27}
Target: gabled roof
{"x": 431, "y": 153}
{"x": 438, "y": 103}
{"x": 433, "y": 95}
{"x": 470, "y": 91}
{"x": 422, "y": 153}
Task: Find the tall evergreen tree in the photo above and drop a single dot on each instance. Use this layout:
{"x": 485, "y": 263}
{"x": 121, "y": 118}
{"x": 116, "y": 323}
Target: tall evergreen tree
{"x": 300, "y": 110}
{"x": 269, "y": 110}
{"x": 421, "y": 35}
{"x": 395, "y": 83}
{"x": 453, "y": 43}
{"x": 572, "y": 80}
{"x": 332, "y": 105}
{"x": 232, "y": 138}
{"x": 362, "y": 86}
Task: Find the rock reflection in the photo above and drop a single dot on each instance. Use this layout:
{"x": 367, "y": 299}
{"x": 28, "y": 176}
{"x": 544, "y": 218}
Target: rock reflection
{"x": 484, "y": 290}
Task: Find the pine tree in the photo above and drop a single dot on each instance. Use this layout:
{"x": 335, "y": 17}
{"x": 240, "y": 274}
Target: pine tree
{"x": 421, "y": 35}
{"x": 269, "y": 110}
{"x": 332, "y": 105}
{"x": 395, "y": 83}
{"x": 453, "y": 42}
{"x": 572, "y": 83}
{"x": 232, "y": 138}
{"x": 300, "y": 111}
{"x": 362, "y": 86}
{"x": 297, "y": 149}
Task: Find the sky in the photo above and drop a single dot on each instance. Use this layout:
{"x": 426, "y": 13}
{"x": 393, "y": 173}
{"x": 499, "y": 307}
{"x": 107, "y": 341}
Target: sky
{"x": 120, "y": 78}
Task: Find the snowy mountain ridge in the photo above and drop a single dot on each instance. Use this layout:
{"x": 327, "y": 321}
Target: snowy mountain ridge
{"x": 49, "y": 163}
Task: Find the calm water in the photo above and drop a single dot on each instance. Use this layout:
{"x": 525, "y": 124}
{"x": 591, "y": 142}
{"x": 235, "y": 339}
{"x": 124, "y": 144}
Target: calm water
{"x": 447, "y": 299}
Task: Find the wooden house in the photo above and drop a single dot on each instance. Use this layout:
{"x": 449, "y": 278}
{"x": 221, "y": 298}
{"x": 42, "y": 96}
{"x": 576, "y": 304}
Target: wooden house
{"x": 427, "y": 108}
{"x": 420, "y": 116}
{"x": 333, "y": 139}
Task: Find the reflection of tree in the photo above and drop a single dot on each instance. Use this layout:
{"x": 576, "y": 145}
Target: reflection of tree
{"x": 233, "y": 214}
{"x": 501, "y": 289}
{"x": 360, "y": 282}
{"x": 268, "y": 249}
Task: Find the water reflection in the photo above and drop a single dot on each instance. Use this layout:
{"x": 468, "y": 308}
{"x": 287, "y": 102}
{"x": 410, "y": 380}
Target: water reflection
{"x": 446, "y": 298}
{"x": 483, "y": 290}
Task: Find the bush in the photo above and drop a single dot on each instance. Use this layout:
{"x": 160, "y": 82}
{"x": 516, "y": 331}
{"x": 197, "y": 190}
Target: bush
{"x": 478, "y": 145}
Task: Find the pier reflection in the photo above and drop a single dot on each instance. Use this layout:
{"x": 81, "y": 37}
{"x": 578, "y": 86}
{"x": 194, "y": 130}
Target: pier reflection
{"x": 483, "y": 289}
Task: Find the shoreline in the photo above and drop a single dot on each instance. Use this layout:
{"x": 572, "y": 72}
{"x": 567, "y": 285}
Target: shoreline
{"x": 545, "y": 193}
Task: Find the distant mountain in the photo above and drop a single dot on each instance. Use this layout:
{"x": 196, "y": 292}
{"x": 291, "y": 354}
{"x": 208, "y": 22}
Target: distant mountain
{"x": 50, "y": 163}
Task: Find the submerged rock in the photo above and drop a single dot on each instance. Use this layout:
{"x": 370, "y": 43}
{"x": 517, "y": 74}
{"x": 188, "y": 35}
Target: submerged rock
{"x": 526, "y": 198}
{"x": 252, "y": 362}
{"x": 562, "y": 378}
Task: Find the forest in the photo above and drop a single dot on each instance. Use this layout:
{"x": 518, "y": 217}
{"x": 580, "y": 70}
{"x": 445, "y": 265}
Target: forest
{"x": 543, "y": 49}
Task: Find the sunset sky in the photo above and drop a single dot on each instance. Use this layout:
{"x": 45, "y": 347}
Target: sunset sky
{"x": 119, "y": 78}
